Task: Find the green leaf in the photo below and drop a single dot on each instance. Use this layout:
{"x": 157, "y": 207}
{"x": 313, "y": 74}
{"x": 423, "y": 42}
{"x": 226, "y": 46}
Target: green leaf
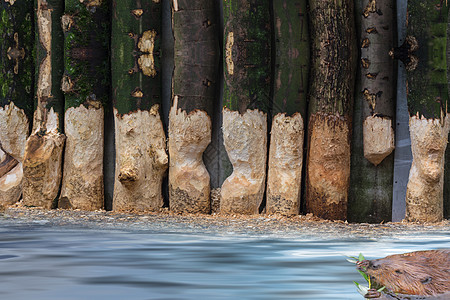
{"x": 366, "y": 277}
{"x": 353, "y": 261}
{"x": 361, "y": 257}
{"x": 361, "y": 288}
{"x": 381, "y": 289}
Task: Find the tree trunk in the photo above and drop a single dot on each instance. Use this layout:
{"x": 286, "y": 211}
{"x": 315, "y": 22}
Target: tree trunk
{"x": 331, "y": 99}
{"x": 194, "y": 90}
{"x": 86, "y": 87}
{"x": 289, "y": 106}
{"x": 247, "y": 51}
{"x": 43, "y": 152}
{"x": 372, "y": 165}
{"x": 141, "y": 159}
{"x": 16, "y": 94}
{"x": 425, "y": 56}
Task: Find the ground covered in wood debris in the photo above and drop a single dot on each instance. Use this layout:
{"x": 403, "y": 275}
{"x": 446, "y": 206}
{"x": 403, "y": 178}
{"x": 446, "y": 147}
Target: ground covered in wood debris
{"x": 267, "y": 225}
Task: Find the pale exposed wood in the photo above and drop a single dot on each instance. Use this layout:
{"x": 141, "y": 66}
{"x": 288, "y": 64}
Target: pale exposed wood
{"x": 141, "y": 161}
{"x": 424, "y": 194}
{"x": 82, "y": 184}
{"x": 245, "y": 139}
{"x": 285, "y": 165}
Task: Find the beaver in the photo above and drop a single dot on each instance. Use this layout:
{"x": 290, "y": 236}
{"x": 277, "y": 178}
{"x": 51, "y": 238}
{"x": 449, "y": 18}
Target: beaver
{"x": 423, "y": 273}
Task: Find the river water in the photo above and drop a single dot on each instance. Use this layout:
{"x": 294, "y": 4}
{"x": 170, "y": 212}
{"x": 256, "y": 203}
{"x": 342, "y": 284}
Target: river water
{"x": 42, "y": 261}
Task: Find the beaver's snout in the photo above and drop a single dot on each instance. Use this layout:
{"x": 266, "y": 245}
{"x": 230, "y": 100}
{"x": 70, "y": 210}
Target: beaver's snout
{"x": 363, "y": 265}
{"x": 367, "y": 264}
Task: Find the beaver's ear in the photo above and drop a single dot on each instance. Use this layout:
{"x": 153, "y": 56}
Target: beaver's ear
{"x": 426, "y": 280}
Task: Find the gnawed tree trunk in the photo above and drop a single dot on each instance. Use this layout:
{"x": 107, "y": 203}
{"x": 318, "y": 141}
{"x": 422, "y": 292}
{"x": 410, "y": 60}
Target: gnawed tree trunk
{"x": 16, "y": 94}
{"x": 86, "y": 86}
{"x": 194, "y": 90}
{"x": 372, "y": 166}
{"x": 331, "y": 99}
{"x": 247, "y": 51}
{"x": 425, "y": 55}
{"x": 289, "y": 106}
{"x": 43, "y": 152}
{"x": 141, "y": 159}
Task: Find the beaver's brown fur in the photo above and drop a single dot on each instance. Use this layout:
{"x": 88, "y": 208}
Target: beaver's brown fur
{"x": 416, "y": 273}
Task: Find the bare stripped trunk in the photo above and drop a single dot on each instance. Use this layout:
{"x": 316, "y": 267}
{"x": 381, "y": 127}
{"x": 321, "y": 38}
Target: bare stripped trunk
{"x": 13, "y": 135}
{"x": 194, "y": 91}
{"x": 16, "y": 94}
{"x": 245, "y": 139}
{"x": 247, "y": 62}
{"x": 141, "y": 159}
{"x": 329, "y": 126}
{"x": 289, "y": 106}
{"x": 285, "y": 165}
{"x": 43, "y": 152}
{"x": 82, "y": 184}
{"x": 424, "y": 195}
{"x": 189, "y": 135}
{"x": 426, "y": 60}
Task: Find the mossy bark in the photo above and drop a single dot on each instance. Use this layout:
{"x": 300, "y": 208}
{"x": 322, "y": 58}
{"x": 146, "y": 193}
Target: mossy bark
{"x": 372, "y": 165}
{"x": 246, "y": 100}
{"x": 43, "y": 152}
{"x": 16, "y": 93}
{"x": 331, "y": 100}
{"x": 427, "y": 103}
{"x": 195, "y": 82}
{"x": 141, "y": 160}
{"x": 291, "y": 74}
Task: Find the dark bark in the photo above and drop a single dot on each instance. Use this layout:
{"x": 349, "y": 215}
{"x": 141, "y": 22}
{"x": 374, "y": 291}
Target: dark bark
{"x": 135, "y": 72}
{"x": 247, "y": 55}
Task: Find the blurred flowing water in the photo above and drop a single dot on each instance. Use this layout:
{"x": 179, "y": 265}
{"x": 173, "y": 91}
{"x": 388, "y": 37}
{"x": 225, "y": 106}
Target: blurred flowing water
{"x": 38, "y": 261}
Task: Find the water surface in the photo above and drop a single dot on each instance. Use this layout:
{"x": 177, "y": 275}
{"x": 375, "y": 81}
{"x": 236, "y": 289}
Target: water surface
{"x": 42, "y": 261}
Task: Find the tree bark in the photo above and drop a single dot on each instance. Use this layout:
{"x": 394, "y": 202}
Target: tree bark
{"x": 331, "y": 100}
{"x": 43, "y": 152}
{"x": 425, "y": 56}
{"x": 289, "y": 105}
{"x": 194, "y": 90}
{"x": 16, "y": 94}
{"x": 247, "y": 61}
{"x": 141, "y": 159}
{"x": 372, "y": 165}
{"x": 86, "y": 87}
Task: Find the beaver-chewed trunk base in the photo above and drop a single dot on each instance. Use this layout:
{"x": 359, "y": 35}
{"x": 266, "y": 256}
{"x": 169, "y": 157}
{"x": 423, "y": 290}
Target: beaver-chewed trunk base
{"x": 245, "y": 140}
{"x": 328, "y": 166}
{"x": 285, "y": 165}
{"x": 141, "y": 161}
{"x": 189, "y": 181}
{"x": 424, "y": 195}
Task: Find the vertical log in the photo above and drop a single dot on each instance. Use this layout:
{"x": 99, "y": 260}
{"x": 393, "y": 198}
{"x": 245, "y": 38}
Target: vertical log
{"x": 141, "y": 159}
{"x": 370, "y": 196}
{"x": 289, "y": 106}
{"x": 16, "y": 94}
{"x": 331, "y": 100}
{"x": 43, "y": 152}
{"x": 247, "y": 50}
{"x": 194, "y": 91}
{"x": 424, "y": 54}
{"x": 86, "y": 87}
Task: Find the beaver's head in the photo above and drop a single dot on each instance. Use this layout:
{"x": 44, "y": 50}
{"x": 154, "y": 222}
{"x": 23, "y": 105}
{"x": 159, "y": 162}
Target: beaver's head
{"x": 416, "y": 273}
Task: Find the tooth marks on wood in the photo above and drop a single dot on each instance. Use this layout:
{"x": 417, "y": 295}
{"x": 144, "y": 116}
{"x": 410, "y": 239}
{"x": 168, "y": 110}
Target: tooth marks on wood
{"x": 365, "y": 43}
{"x": 365, "y": 63}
